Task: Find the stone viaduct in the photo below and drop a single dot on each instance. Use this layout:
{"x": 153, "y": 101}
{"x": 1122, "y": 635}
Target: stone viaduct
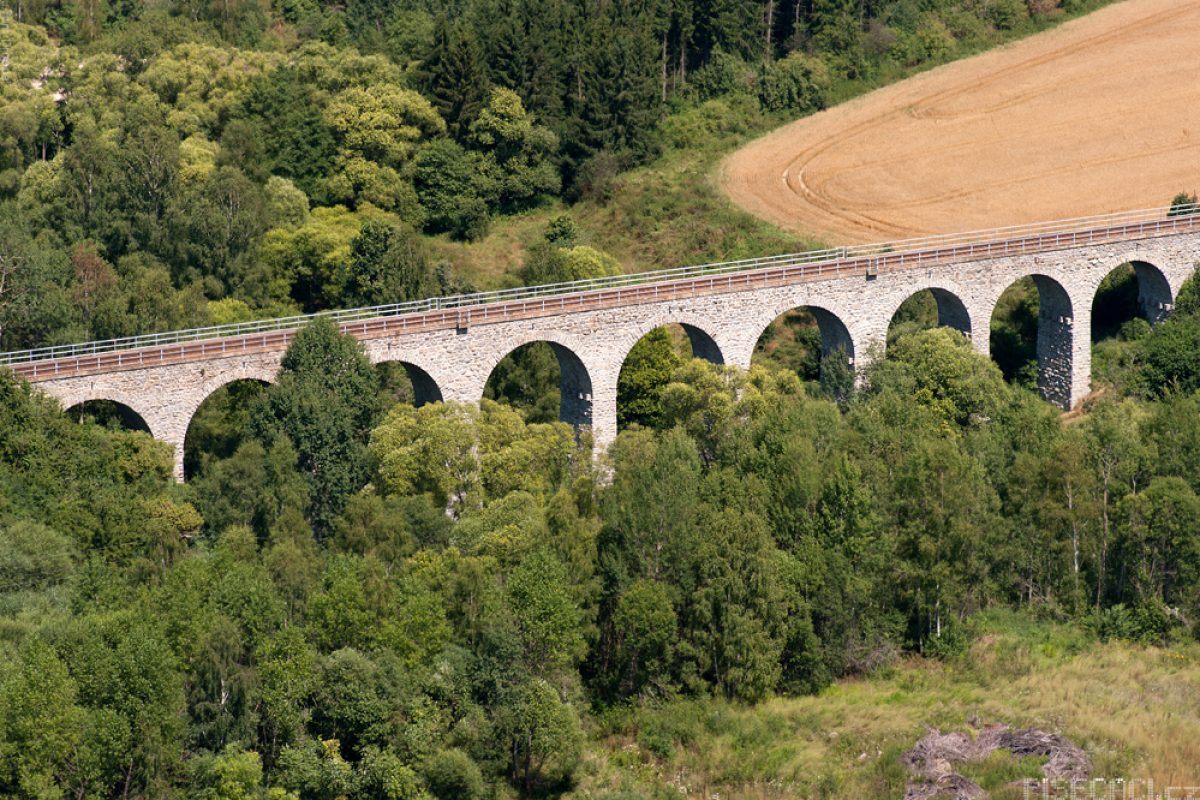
{"x": 449, "y": 353}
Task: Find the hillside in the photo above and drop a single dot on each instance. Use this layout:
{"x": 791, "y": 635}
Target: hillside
{"x": 1092, "y": 117}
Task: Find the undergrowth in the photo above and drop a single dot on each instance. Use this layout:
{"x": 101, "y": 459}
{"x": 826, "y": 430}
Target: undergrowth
{"x": 1133, "y": 708}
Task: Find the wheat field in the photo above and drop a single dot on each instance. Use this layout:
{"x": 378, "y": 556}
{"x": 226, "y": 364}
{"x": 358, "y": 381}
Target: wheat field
{"x": 1098, "y": 115}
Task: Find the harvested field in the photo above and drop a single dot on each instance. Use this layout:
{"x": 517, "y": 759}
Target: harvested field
{"x": 1099, "y": 115}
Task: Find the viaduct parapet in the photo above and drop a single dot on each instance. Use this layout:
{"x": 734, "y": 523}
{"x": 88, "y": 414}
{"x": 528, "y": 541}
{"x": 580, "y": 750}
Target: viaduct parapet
{"x": 450, "y": 353}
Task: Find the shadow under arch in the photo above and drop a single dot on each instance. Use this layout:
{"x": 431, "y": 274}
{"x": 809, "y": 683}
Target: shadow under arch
{"x": 217, "y": 426}
{"x": 950, "y": 310}
{"x": 701, "y": 342}
{"x": 424, "y": 388}
{"x": 1154, "y": 299}
{"x": 575, "y": 383}
{"x": 834, "y": 337}
{"x": 703, "y": 345}
{"x": 1055, "y": 336}
{"x": 108, "y": 413}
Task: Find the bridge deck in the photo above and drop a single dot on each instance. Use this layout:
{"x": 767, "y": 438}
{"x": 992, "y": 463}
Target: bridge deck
{"x": 463, "y": 317}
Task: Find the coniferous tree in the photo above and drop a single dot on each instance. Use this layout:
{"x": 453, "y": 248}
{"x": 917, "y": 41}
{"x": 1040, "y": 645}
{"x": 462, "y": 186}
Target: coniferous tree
{"x": 295, "y": 136}
{"x": 453, "y": 76}
{"x": 325, "y": 403}
{"x": 506, "y": 47}
{"x": 545, "y": 83}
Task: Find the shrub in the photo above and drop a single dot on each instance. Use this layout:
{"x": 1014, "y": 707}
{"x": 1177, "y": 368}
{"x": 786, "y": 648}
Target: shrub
{"x": 452, "y": 775}
{"x": 1183, "y": 203}
{"x": 599, "y": 176}
{"x": 699, "y": 127}
{"x": 953, "y": 643}
{"x": 935, "y": 38}
{"x": 795, "y": 83}
{"x": 1004, "y": 14}
{"x": 1042, "y": 9}
{"x": 1134, "y": 329}
{"x": 722, "y": 75}
{"x": 449, "y": 186}
{"x": 656, "y": 742}
{"x": 1171, "y": 353}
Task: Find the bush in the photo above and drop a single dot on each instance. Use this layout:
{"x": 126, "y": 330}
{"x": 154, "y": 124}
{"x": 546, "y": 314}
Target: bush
{"x": 722, "y": 75}
{"x": 1171, "y": 356}
{"x": 449, "y": 186}
{"x": 1183, "y": 203}
{"x": 452, "y": 775}
{"x": 1005, "y": 14}
{"x": 711, "y": 124}
{"x": 562, "y": 231}
{"x": 599, "y": 176}
{"x": 954, "y": 643}
{"x": 662, "y": 726}
{"x": 1135, "y": 329}
{"x": 935, "y": 39}
{"x": 1042, "y": 9}
{"x": 1114, "y": 623}
{"x": 795, "y": 83}
{"x": 657, "y": 742}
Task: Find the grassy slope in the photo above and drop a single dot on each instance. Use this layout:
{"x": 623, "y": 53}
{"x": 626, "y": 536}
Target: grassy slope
{"x": 666, "y": 214}
{"x": 1134, "y": 709}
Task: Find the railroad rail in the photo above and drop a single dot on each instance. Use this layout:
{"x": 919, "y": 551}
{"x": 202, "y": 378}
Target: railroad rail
{"x": 464, "y": 311}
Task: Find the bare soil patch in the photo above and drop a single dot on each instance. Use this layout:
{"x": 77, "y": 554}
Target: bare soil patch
{"x": 1099, "y": 115}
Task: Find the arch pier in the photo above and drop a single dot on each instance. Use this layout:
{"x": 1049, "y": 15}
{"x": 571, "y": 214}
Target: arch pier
{"x": 1058, "y": 342}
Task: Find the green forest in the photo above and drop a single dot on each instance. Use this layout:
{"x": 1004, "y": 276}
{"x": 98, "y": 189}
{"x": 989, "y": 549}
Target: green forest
{"x": 451, "y": 601}
{"x": 352, "y": 597}
{"x": 167, "y": 165}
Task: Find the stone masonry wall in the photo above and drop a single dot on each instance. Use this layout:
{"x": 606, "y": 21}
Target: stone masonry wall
{"x": 592, "y": 345}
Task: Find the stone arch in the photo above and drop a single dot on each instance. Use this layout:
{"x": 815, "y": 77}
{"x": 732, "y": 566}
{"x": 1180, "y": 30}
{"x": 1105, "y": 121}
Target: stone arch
{"x": 131, "y": 418}
{"x": 1160, "y": 268}
{"x": 266, "y": 373}
{"x": 425, "y": 388}
{"x": 951, "y": 310}
{"x": 833, "y": 330}
{"x": 704, "y": 344}
{"x": 575, "y": 379}
{"x": 1156, "y": 298}
{"x": 834, "y": 333}
{"x": 1110, "y": 309}
{"x": 1056, "y": 350}
{"x": 136, "y": 404}
{"x": 208, "y": 390}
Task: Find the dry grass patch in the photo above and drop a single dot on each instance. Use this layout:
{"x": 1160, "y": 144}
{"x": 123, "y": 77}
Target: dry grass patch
{"x": 494, "y": 261}
{"x": 1134, "y": 710}
{"x": 1139, "y": 706}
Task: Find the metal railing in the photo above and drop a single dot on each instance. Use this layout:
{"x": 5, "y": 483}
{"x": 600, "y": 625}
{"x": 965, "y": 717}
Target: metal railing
{"x": 902, "y": 254}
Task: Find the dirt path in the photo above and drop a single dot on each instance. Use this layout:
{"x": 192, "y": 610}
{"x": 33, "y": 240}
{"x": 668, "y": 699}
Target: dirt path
{"x": 1099, "y": 115}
